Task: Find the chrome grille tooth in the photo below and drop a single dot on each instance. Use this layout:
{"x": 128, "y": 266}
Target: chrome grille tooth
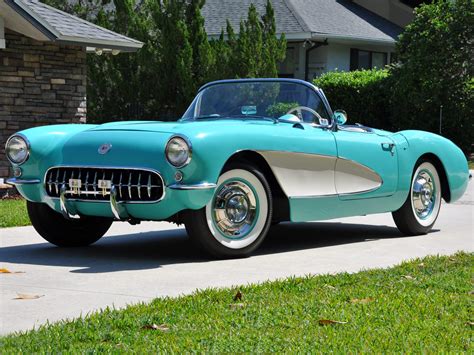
{"x": 79, "y": 177}
{"x": 94, "y": 184}
{"x": 57, "y": 182}
{"x": 50, "y": 182}
{"x": 149, "y": 186}
{"x": 130, "y": 186}
{"x": 120, "y": 185}
{"x": 87, "y": 181}
{"x": 139, "y": 186}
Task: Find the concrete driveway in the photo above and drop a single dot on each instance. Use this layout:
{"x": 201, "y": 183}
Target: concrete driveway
{"x": 134, "y": 264}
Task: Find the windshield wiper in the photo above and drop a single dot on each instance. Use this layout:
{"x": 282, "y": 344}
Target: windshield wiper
{"x": 206, "y": 117}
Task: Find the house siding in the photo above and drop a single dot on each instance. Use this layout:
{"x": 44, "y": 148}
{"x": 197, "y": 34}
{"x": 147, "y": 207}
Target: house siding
{"x": 40, "y": 84}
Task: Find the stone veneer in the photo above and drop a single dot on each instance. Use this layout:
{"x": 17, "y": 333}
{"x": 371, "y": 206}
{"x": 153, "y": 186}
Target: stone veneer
{"x": 41, "y": 83}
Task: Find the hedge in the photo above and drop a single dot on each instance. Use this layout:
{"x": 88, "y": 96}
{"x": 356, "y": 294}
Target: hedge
{"x": 368, "y": 98}
{"x": 364, "y": 95}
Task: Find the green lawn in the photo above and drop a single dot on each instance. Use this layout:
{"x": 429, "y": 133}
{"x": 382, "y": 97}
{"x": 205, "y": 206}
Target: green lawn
{"x": 13, "y": 213}
{"x": 419, "y": 306}
{"x": 471, "y": 164}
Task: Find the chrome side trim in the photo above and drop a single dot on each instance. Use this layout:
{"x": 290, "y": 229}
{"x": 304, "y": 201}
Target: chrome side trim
{"x": 63, "y": 204}
{"x": 15, "y": 181}
{"x": 202, "y": 186}
{"x": 107, "y": 167}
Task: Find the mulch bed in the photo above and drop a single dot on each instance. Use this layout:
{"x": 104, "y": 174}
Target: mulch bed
{"x": 9, "y": 192}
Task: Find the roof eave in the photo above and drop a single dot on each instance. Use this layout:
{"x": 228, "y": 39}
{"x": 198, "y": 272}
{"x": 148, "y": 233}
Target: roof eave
{"x": 358, "y": 39}
{"x": 54, "y": 36}
{"x": 122, "y": 46}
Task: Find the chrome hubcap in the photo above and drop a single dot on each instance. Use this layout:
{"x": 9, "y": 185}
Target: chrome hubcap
{"x": 234, "y": 209}
{"x": 424, "y": 194}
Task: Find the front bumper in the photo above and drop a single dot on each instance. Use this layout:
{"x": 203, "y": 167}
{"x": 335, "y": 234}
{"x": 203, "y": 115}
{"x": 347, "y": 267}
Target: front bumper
{"x": 177, "y": 198}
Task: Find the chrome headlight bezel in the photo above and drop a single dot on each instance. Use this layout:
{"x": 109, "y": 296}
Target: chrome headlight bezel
{"x": 183, "y": 142}
{"x": 26, "y": 149}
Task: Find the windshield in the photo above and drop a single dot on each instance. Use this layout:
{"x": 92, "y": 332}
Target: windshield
{"x": 259, "y": 99}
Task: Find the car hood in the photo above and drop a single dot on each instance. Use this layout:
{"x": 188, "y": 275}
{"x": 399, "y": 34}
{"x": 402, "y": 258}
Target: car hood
{"x": 183, "y": 127}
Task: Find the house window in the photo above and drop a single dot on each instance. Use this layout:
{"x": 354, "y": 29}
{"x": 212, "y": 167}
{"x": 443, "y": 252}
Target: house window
{"x": 367, "y": 60}
{"x": 415, "y": 3}
{"x": 288, "y": 67}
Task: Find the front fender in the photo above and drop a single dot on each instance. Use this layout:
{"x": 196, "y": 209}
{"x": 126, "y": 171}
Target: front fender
{"x": 451, "y": 157}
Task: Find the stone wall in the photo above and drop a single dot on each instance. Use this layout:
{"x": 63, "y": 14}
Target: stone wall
{"x": 41, "y": 83}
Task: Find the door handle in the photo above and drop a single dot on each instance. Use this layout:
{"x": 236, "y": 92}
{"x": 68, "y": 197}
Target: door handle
{"x": 388, "y": 147}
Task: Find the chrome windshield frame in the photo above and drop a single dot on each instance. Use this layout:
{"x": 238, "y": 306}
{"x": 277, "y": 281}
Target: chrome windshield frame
{"x": 319, "y": 92}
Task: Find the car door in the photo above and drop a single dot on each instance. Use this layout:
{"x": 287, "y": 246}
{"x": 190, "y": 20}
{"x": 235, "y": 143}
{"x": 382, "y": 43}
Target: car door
{"x": 367, "y": 163}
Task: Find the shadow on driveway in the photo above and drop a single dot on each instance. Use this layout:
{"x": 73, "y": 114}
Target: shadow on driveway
{"x": 151, "y": 250}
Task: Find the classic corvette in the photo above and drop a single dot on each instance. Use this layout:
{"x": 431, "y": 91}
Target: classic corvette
{"x": 246, "y": 154}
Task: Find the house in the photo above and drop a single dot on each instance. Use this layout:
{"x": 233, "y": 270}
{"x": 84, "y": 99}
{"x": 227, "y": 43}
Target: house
{"x": 324, "y": 35}
{"x": 43, "y": 66}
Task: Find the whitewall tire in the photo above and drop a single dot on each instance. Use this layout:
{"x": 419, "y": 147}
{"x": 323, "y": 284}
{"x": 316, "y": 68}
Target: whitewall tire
{"x": 237, "y": 219}
{"x": 421, "y": 209}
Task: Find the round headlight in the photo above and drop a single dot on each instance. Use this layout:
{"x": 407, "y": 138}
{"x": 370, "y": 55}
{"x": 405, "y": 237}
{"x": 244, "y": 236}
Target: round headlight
{"x": 178, "y": 152}
{"x": 17, "y": 149}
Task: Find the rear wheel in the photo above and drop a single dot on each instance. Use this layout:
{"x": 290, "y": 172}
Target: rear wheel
{"x": 54, "y": 228}
{"x": 236, "y": 220}
{"x": 420, "y": 211}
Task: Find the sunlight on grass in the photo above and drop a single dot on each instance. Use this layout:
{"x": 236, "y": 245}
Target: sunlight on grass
{"x": 13, "y": 213}
{"x": 422, "y": 306}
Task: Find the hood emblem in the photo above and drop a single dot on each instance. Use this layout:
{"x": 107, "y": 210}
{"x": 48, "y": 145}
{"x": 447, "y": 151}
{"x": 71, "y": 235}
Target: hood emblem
{"x": 104, "y": 148}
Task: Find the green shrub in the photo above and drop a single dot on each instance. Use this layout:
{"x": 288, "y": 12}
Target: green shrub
{"x": 362, "y": 94}
{"x": 435, "y": 68}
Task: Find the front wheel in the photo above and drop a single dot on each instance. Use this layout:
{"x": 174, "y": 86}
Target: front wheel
{"x": 57, "y": 230}
{"x": 236, "y": 220}
{"x": 420, "y": 211}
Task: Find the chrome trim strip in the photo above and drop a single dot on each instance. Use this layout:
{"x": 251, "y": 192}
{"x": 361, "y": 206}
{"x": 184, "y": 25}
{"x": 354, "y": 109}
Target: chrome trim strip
{"x": 63, "y": 204}
{"x": 108, "y": 167}
{"x": 15, "y": 181}
{"x": 202, "y": 186}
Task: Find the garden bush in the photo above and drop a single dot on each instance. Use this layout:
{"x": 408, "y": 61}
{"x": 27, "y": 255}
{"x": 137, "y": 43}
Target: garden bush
{"x": 435, "y": 68}
{"x": 364, "y": 95}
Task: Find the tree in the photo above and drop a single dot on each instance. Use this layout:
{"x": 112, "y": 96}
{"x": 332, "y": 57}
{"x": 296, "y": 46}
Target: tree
{"x": 160, "y": 80}
{"x": 203, "y": 56}
{"x": 256, "y": 51}
{"x": 435, "y": 69}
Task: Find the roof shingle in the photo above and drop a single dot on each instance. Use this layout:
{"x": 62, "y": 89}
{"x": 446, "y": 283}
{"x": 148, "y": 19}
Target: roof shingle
{"x": 69, "y": 28}
{"x": 334, "y": 18}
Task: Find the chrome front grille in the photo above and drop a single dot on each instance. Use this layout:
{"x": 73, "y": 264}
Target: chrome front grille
{"x": 96, "y": 184}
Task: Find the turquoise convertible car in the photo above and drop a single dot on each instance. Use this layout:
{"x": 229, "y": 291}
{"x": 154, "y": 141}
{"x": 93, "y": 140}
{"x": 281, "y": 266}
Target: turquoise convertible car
{"x": 246, "y": 154}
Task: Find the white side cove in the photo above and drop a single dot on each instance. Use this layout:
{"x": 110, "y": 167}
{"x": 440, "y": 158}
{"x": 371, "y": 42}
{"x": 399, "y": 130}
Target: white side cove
{"x": 2, "y": 34}
{"x": 352, "y": 177}
{"x": 312, "y": 175}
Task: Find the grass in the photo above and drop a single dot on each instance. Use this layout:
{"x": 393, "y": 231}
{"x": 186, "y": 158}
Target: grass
{"x": 13, "y": 213}
{"x": 471, "y": 164}
{"x": 419, "y": 306}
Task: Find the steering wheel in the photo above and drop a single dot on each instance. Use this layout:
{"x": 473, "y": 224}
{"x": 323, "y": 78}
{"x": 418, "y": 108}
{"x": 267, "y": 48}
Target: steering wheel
{"x": 299, "y": 113}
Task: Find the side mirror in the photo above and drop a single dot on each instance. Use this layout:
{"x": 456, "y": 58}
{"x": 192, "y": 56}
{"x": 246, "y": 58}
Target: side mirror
{"x": 340, "y": 117}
